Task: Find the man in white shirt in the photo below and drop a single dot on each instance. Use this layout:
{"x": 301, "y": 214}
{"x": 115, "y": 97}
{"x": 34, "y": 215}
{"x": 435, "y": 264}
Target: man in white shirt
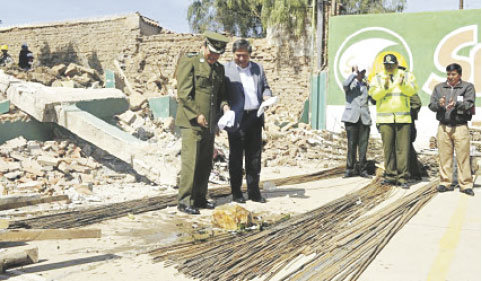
{"x": 247, "y": 87}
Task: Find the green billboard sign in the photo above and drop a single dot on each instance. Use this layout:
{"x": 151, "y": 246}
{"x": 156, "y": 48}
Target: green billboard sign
{"x": 428, "y": 41}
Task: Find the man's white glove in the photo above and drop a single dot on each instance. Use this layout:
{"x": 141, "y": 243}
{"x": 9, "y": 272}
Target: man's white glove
{"x": 227, "y": 120}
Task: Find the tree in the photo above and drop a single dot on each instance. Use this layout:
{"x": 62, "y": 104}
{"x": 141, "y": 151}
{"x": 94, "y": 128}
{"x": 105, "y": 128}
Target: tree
{"x": 251, "y": 18}
{"x": 247, "y": 17}
{"x": 372, "y": 7}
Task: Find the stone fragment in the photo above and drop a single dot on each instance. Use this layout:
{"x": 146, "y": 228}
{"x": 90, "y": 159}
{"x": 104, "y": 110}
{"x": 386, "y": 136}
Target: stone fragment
{"x": 13, "y": 175}
{"x": 48, "y": 161}
{"x": 84, "y": 188}
{"x": 32, "y": 167}
{"x": 6, "y": 166}
{"x": 29, "y": 186}
{"x": 127, "y": 117}
{"x": 59, "y": 69}
{"x": 64, "y": 167}
{"x": 231, "y": 217}
{"x": 15, "y": 143}
{"x": 136, "y": 100}
{"x": 71, "y": 70}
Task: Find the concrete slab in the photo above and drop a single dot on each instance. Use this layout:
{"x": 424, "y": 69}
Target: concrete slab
{"x": 82, "y": 112}
{"x": 4, "y": 106}
{"x": 38, "y": 100}
{"x": 163, "y": 107}
{"x": 124, "y": 146}
{"x": 442, "y": 242}
{"x": 30, "y": 130}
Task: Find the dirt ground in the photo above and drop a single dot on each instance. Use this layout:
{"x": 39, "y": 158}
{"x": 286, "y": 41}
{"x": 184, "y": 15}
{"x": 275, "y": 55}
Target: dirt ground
{"x": 122, "y": 252}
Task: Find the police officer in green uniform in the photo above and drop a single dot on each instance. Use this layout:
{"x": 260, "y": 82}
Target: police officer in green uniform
{"x": 392, "y": 89}
{"x": 201, "y": 96}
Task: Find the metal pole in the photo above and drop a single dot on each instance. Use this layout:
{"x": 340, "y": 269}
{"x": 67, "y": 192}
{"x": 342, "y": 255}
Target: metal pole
{"x": 320, "y": 22}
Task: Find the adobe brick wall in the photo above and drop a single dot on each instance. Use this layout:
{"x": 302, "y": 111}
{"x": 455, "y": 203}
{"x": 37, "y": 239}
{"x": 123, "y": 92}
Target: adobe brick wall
{"x": 132, "y": 39}
{"x": 90, "y": 42}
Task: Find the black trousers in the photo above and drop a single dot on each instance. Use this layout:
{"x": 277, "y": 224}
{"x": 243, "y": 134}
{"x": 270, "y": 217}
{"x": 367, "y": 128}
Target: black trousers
{"x": 414, "y": 166}
{"x": 357, "y": 135}
{"x": 246, "y": 141}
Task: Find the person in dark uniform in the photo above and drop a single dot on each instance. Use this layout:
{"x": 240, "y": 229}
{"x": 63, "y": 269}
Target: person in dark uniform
{"x": 201, "y": 96}
{"x": 24, "y": 57}
{"x": 414, "y": 166}
{"x": 247, "y": 87}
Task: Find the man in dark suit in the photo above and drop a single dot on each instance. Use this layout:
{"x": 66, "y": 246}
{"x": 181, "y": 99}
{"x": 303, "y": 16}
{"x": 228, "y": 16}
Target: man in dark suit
{"x": 247, "y": 87}
{"x": 356, "y": 117}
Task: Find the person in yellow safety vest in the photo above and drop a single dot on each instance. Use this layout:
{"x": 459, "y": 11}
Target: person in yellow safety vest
{"x": 392, "y": 89}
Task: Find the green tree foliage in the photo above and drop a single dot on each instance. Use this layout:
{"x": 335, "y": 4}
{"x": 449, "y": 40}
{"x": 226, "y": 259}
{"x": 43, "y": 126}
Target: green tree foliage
{"x": 372, "y": 7}
{"x": 251, "y": 18}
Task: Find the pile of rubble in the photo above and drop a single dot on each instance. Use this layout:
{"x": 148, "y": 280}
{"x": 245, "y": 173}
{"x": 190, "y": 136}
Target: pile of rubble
{"x": 53, "y": 166}
{"x": 289, "y": 143}
{"x": 61, "y": 75}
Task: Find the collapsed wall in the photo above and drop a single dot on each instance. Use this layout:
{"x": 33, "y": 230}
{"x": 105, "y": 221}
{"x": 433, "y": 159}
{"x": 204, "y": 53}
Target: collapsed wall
{"x": 93, "y": 42}
{"x": 148, "y": 53}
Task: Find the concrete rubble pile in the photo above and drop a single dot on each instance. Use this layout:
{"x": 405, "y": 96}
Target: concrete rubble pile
{"x": 69, "y": 75}
{"x": 289, "y": 143}
{"x": 52, "y": 167}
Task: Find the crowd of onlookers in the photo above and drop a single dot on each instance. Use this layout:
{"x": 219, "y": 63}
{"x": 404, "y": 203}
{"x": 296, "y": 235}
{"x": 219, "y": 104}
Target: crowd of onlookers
{"x": 25, "y": 57}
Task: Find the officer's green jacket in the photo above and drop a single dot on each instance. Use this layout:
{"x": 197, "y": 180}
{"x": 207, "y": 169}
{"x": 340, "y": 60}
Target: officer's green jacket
{"x": 393, "y": 104}
{"x": 200, "y": 90}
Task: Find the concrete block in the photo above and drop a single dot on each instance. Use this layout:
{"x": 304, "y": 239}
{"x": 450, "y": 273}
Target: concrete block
{"x": 163, "y": 107}
{"x": 4, "y": 106}
{"x": 127, "y": 117}
{"x": 38, "y": 100}
{"x": 16, "y": 143}
{"x": 48, "y": 161}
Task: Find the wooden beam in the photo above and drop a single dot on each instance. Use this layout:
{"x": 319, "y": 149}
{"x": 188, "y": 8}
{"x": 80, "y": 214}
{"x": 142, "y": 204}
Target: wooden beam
{"x": 16, "y": 235}
{"x": 22, "y": 201}
{"x": 15, "y": 259}
{"x": 4, "y": 223}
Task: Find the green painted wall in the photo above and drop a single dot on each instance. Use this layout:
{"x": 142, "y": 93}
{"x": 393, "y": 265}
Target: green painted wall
{"x": 30, "y": 130}
{"x": 429, "y": 41}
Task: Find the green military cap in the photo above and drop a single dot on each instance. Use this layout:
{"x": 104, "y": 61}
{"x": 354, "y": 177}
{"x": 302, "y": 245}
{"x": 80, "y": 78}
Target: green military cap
{"x": 216, "y": 42}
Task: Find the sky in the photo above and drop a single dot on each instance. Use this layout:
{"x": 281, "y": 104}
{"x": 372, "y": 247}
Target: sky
{"x": 170, "y": 14}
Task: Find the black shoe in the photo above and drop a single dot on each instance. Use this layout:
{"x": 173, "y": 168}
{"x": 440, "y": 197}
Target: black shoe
{"x": 364, "y": 174}
{"x": 441, "y": 188}
{"x": 240, "y": 199}
{"x": 388, "y": 182}
{"x": 259, "y": 199}
{"x": 404, "y": 185}
{"x": 348, "y": 174}
{"x": 188, "y": 209}
{"x": 207, "y": 205}
{"x": 452, "y": 187}
{"x": 468, "y": 191}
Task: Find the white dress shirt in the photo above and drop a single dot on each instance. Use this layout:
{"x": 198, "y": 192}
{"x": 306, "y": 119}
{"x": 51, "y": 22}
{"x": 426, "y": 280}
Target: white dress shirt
{"x": 250, "y": 91}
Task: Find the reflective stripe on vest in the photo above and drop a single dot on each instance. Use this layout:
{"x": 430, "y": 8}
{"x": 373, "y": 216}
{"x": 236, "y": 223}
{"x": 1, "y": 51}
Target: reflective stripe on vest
{"x": 392, "y": 113}
{"x": 396, "y": 95}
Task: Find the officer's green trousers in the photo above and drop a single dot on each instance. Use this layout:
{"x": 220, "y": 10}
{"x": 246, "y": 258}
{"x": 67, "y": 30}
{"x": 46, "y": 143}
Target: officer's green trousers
{"x": 396, "y": 147}
{"x": 196, "y": 164}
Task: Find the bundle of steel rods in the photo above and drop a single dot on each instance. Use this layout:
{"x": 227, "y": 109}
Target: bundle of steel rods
{"x": 97, "y": 214}
{"x": 342, "y": 238}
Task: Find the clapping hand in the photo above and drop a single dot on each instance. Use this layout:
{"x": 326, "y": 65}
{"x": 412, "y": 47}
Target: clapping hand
{"x": 451, "y": 104}
{"x": 441, "y": 102}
